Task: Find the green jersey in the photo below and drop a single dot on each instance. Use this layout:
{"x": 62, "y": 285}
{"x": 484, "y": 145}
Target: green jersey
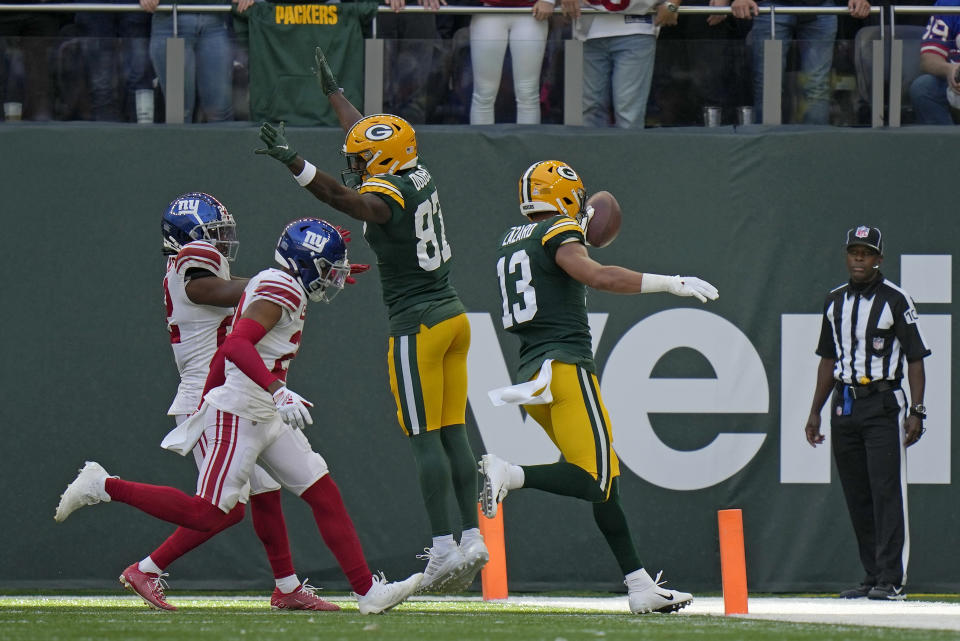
{"x": 542, "y": 304}
{"x": 282, "y": 40}
{"x": 413, "y": 255}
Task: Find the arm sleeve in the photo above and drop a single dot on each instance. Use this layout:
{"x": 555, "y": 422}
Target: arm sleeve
{"x": 239, "y": 349}
{"x": 907, "y": 330}
{"x": 827, "y": 347}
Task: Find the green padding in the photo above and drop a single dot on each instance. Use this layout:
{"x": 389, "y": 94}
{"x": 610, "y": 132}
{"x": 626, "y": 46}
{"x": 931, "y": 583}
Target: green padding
{"x": 89, "y": 373}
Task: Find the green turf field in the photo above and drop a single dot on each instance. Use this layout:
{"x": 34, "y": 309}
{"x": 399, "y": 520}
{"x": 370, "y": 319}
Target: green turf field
{"x": 52, "y": 619}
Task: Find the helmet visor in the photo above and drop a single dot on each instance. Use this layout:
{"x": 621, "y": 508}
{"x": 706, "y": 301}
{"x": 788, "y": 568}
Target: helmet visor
{"x": 223, "y": 235}
{"x": 330, "y": 280}
{"x": 356, "y": 169}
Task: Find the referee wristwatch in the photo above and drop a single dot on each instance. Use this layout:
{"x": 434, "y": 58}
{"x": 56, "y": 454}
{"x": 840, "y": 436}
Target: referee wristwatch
{"x": 918, "y": 410}
{"x": 672, "y": 7}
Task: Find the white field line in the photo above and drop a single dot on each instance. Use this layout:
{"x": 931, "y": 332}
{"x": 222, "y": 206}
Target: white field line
{"x": 861, "y": 612}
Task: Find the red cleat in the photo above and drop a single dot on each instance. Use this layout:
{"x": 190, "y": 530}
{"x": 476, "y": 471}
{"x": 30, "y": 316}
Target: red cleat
{"x": 303, "y": 598}
{"x": 148, "y": 585}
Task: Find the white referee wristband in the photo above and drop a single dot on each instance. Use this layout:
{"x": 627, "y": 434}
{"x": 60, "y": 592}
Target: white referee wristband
{"x": 656, "y": 283}
{"x": 304, "y": 177}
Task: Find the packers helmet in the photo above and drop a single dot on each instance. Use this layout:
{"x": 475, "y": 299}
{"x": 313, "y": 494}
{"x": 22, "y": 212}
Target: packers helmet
{"x": 551, "y": 185}
{"x": 378, "y": 144}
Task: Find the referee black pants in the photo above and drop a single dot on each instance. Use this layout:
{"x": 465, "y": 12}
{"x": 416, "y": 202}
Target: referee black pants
{"x": 868, "y": 449}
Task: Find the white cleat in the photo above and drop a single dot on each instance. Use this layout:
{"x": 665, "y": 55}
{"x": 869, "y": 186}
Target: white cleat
{"x": 442, "y": 567}
{"x": 496, "y": 473}
{"x": 475, "y": 556}
{"x": 86, "y": 489}
{"x": 382, "y": 595}
{"x": 653, "y": 598}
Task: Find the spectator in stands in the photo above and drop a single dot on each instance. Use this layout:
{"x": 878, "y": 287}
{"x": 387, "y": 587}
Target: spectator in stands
{"x": 208, "y": 63}
{"x": 815, "y": 35}
{"x": 527, "y": 37}
{"x": 618, "y": 55}
{"x": 411, "y": 44}
{"x": 108, "y": 34}
{"x": 930, "y": 93}
{"x": 32, "y": 33}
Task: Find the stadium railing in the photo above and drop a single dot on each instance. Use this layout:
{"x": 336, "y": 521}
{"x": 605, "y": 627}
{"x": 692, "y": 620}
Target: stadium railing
{"x": 883, "y": 111}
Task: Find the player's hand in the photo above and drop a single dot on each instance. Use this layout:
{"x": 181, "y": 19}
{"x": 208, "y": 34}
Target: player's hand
{"x": 812, "y": 429}
{"x": 693, "y": 286}
{"x": 149, "y": 5}
{"x": 293, "y": 408}
{"x": 744, "y": 9}
{"x": 328, "y": 82}
{"x": 356, "y": 268}
{"x": 344, "y": 233}
{"x": 432, "y": 5}
{"x": 914, "y": 430}
{"x": 277, "y": 145}
{"x": 242, "y": 5}
{"x": 717, "y": 18}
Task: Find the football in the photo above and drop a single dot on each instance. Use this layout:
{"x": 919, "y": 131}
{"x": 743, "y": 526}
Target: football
{"x": 605, "y": 223}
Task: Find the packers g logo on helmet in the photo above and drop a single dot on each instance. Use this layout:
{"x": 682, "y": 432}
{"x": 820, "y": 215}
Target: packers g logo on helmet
{"x": 551, "y": 185}
{"x": 378, "y": 144}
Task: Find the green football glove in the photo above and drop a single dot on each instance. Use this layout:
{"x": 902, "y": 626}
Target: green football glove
{"x": 277, "y": 146}
{"x": 328, "y": 82}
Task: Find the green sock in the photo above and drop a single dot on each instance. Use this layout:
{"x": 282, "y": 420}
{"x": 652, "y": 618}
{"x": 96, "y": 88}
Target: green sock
{"x": 463, "y": 472}
{"x": 434, "y": 473}
{"x": 563, "y": 478}
{"x": 613, "y": 525}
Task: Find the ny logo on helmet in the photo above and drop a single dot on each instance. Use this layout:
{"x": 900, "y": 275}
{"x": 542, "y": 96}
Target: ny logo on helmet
{"x": 315, "y": 242}
{"x": 188, "y": 206}
{"x": 567, "y": 172}
{"x": 378, "y": 132}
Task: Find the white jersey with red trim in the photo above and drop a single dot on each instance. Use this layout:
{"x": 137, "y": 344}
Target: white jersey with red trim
{"x": 195, "y": 330}
{"x": 239, "y": 395}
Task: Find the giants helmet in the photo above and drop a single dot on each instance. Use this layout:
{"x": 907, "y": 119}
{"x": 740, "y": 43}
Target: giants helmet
{"x": 198, "y": 216}
{"x": 316, "y": 253}
{"x": 379, "y": 144}
{"x": 551, "y": 185}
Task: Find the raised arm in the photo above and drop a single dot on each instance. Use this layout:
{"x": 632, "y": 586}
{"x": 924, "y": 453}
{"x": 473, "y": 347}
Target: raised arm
{"x": 365, "y": 207}
{"x": 347, "y": 114}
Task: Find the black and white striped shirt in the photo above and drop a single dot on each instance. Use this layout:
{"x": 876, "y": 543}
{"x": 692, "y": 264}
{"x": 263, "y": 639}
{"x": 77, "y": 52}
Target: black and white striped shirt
{"x": 870, "y": 329}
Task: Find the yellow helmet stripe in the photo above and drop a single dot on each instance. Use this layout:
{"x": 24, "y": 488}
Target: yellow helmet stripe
{"x": 525, "y": 192}
{"x": 559, "y": 228}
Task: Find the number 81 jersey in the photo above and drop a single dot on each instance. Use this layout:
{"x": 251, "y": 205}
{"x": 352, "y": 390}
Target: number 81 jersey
{"x": 542, "y": 304}
{"x": 413, "y": 255}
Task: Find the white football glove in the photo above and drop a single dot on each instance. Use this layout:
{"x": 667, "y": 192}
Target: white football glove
{"x": 693, "y": 286}
{"x": 293, "y": 408}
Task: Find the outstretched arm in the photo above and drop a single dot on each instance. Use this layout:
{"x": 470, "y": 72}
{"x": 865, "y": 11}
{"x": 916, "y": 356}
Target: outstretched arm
{"x": 347, "y": 114}
{"x": 574, "y": 259}
{"x": 365, "y": 207}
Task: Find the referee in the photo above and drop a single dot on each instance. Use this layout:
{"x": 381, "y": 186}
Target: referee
{"x": 869, "y": 339}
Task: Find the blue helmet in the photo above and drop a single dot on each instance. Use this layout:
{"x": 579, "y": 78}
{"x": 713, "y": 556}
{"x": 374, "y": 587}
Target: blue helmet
{"x": 199, "y": 216}
{"x": 316, "y": 253}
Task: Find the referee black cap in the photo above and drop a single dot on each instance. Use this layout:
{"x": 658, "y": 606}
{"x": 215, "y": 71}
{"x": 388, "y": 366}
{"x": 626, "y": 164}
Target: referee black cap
{"x": 866, "y": 236}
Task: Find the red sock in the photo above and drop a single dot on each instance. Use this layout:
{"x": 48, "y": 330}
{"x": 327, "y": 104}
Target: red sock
{"x": 184, "y": 539}
{"x": 268, "y": 522}
{"x": 338, "y": 533}
{"x": 167, "y": 503}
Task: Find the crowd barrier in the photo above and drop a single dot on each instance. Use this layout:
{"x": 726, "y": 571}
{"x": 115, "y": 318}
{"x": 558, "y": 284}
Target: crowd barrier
{"x": 885, "y": 57}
